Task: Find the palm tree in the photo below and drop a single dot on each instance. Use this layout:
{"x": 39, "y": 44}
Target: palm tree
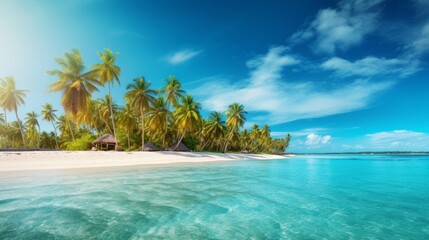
{"x": 235, "y": 120}
{"x": 172, "y": 92}
{"x": 108, "y": 73}
{"x": 158, "y": 116}
{"x": 91, "y": 116}
{"x": 11, "y": 98}
{"x": 76, "y": 85}
{"x": 48, "y": 114}
{"x": 140, "y": 96}
{"x": 127, "y": 121}
{"x": 214, "y": 128}
{"x": 188, "y": 118}
{"x": 64, "y": 125}
{"x": 105, "y": 108}
{"x": 32, "y": 122}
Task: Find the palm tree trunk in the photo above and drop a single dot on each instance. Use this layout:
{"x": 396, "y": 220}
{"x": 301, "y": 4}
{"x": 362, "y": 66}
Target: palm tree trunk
{"x": 111, "y": 113}
{"x": 5, "y": 116}
{"x": 142, "y": 110}
{"x": 204, "y": 145}
{"x": 128, "y": 138}
{"x": 226, "y": 144}
{"x": 180, "y": 140}
{"x": 20, "y": 129}
{"x": 70, "y": 127}
{"x": 38, "y": 137}
{"x": 166, "y": 121}
{"x": 56, "y": 136}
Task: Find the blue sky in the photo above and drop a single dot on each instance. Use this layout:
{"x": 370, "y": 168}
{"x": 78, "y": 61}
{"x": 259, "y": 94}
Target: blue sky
{"x": 346, "y": 75}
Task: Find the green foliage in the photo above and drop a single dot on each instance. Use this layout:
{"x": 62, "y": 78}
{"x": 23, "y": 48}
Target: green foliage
{"x": 81, "y": 144}
{"x": 191, "y": 142}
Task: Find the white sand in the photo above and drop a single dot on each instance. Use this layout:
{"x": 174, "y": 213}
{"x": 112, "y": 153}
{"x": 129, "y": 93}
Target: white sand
{"x": 39, "y": 160}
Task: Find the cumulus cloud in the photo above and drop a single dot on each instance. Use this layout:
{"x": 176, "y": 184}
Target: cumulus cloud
{"x": 276, "y": 100}
{"x": 341, "y": 28}
{"x": 371, "y": 66}
{"x": 182, "y": 56}
{"x": 399, "y": 140}
{"x": 314, "y": 139}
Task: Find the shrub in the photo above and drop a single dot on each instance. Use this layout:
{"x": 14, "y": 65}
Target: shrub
{"x": 82, "y": 143}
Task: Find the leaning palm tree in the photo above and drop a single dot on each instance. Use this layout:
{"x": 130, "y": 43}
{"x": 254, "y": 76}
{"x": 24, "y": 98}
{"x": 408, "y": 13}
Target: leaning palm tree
{"x": 214, "y": 129}
{"x": 32, "y": 122}
{"x": 108, "y": 72}
{"x": 11, "y": 98}
{"x": 105, "y": 108}
{"x": 63, "y": 124}
{"x": 188, "y": 118}
{"x": 127, "y": 121}
{"x": 235, "y": 120}
{"x": 140, "y": 95}
{"x": 159, "y": 116}
{"x": 2, "y": 119}
{"x": 48, "y": 114}
{"x": 75, "y": 84}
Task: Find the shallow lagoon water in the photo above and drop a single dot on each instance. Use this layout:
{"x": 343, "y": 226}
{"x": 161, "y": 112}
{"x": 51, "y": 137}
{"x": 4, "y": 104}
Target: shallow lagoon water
{"x": 305, "y": 197}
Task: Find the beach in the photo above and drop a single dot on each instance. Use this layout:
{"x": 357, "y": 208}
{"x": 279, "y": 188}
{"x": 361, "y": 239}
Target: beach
{"x": 47, "y": 160}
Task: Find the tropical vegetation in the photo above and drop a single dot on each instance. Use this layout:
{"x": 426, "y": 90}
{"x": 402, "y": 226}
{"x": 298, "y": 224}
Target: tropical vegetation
{"x": 165, "y": 117}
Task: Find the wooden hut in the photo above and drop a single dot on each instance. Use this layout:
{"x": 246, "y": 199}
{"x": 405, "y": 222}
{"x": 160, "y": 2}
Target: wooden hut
{"x": 149, "y": 147}
{"x": 106, "y": 142}
{"x": 180, "y": 148}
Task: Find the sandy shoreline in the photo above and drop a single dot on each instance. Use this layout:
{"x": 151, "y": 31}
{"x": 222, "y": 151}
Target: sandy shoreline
{"x": 49, "y": 160}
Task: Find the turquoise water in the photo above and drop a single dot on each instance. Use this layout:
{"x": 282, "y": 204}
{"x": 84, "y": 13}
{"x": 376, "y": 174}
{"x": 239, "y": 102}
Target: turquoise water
{"x": 307, "y": 197}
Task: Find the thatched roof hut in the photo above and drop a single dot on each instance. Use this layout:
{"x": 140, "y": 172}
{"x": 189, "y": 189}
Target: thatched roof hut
{"x": 105, "y": 142}
{"x": 149, "y": 147}
{"x": 180, "y": 148}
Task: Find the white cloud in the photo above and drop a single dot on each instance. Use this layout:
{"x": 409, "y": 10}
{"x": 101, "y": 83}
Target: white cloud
{"x": 182, "y": 56}
{"x": 277, "y": 101}
{"x": 421, "y": 43}
{"x": 399, "y": 140}
{"x": 307, "y": 131}
{"x": 371, "y": 66}
{"x": 341, "y": 28}
{"x": 314, "y": 139}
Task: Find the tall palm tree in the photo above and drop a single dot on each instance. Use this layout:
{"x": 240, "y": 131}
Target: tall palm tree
{"x": 235, "y": 120}
{"x": 140, "y": 95}
{"x": 75, "y": 84}
{"x": 11, "y": 98}
{"x": 32, "y": 122}
{"x": 108, "y": 72}
{"x": 214, "y": 128}
{"x": 48, "y": 114}
{"x": 172, "y": 91}
{"x": 188, "y": 118}
{"x": 127, "y": 121}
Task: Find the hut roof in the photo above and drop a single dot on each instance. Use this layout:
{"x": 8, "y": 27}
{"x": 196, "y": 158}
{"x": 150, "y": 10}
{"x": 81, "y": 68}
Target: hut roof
{"x": 181, "y": 148}
{"x": 106, "y": 138}
{"x": 150, "y": 147}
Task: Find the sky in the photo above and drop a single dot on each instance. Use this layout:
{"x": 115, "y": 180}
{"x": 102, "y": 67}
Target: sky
{"x": 339, "y": 76}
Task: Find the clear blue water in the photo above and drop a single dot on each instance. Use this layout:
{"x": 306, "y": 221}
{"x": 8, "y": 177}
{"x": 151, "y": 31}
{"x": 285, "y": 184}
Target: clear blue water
{"x": 307, "y": 197}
